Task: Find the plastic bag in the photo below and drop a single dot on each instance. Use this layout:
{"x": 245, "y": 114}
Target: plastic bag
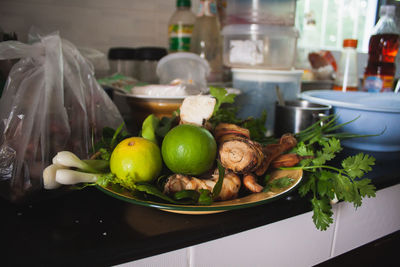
{"x": 51, "y": 102}
{"x": 98, "y": 59}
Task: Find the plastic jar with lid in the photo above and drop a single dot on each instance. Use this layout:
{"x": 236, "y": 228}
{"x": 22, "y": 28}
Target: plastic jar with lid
{"x": 259, "y": 46}
{"x": 122, "y": 60}
{"x": 146, "y": 61}
{"x": 268, "y": 12}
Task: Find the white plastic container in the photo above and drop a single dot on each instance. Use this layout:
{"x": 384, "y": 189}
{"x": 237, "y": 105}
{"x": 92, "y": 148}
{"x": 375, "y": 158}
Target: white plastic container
{"x": 258, "y": 91}
{"x": 189, "y": 68}
{"x": 259, "y": 46}
{"x": 347, "y": 72}
{"x": 272, "y": 12}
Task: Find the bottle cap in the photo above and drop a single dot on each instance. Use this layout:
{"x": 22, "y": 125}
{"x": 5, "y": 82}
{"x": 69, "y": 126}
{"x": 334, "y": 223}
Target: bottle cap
{"x": 124, "y": 53}
{"x": 186, "y": 3}
{"x": 350, "y": 43}
{"x": 388, "y": 10}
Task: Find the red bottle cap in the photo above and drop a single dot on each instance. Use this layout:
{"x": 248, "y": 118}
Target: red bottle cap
{"x": 350, "y": 43}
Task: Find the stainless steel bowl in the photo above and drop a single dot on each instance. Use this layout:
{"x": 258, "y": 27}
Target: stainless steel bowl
{"x": 297, "y": 115}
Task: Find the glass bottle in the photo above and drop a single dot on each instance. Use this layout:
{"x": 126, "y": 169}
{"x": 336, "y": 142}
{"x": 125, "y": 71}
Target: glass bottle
{"x": 207, "y": 40}
{"x": 347, "y": 72}
{"x": 180, "y": 27}
{"x": 382, "y": 51}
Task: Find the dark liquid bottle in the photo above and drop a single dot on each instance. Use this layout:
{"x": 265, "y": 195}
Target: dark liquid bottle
{"x": 382, "y": 51}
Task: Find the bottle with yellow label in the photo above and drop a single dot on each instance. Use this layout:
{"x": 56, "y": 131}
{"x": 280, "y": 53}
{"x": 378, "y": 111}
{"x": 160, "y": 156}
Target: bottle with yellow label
{"x": 180, "y": 27}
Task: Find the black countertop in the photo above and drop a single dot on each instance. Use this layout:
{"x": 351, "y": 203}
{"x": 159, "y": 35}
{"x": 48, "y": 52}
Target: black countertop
{"x": 90, "y": 228}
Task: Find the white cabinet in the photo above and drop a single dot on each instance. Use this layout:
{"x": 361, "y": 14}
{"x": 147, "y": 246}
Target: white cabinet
{"x": 376, "y": 218}
{"x": 291, "y": 242}
{"x": 294, "y": 241}
{"x": 176, "y": 258}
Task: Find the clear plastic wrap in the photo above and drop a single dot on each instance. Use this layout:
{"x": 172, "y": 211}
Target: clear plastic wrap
{"x": 51, "y": 102}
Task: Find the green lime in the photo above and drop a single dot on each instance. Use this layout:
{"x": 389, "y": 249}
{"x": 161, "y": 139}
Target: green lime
{"x": 189, "y": 149}
{"x": 135, "y": 159}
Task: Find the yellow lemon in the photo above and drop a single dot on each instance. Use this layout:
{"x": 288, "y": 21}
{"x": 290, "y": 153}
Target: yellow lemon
{"x": 135, "y": 159}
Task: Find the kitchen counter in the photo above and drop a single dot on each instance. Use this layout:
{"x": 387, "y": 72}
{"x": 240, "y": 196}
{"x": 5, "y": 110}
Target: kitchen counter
{"x": 87, "y": 227}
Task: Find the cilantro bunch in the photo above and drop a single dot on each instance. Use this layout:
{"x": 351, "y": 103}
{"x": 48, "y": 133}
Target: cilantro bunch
{"x": 327, "y": 182}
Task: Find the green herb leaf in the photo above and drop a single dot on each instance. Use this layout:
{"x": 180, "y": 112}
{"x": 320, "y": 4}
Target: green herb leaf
{"x": 257, "y": 129}
{"x": 114, "y": 140}
{"x": 307, "y": 186}
{"x": 343, "y": 187}
{"x": 267, "y": 178}
{"x": 282, "y": 182}
{"x": 161, "y": 181}
{"x": 302, "y": 150}
{"x": 279, "y": 183}
{"x": 154, "y": 191}
{"x": 110, "y": 138}
{"x": 267, "y": 186}
{"x": 358, "y": 165}
{"x": 322, "y": 216}
{"x": 323, "y": 187}
{"x": 221, "y": 95}
{"x": 205, "y": 197}
{"x": 201, "y": 197}
{"x": 105, "y": 154}
{"x": 218, "y": 186}
{"x": 117, "y": 188}
{"x": 366, "y": 188}
{"x": 187, "y": 194}
{"x": 329, "y": 148}
{"x": 166, "y": 124}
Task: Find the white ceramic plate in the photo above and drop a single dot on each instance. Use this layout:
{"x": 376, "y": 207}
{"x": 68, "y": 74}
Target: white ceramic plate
{"x": 142, "y": 94}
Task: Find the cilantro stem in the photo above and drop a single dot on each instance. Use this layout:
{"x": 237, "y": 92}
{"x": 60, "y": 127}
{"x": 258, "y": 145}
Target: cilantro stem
{"x": 339, "y": 171}
{"x": 323, "y": 167}
{"x": 311, "y": 167}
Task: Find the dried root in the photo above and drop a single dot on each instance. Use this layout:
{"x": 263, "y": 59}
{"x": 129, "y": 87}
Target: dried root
{"x": 236, "y": 151}
{"x": 250, "y": 182}
{"x": 230, "y": 186}
{"x": 272, "y": 151}
{"x": 286, "y": 160}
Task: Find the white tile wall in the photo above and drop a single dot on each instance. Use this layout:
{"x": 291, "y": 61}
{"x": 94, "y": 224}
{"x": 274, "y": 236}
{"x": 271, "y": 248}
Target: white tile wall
{"x": 99, "y": 24}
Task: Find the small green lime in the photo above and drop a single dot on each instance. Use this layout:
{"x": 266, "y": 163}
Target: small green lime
{"x": 189, "y": 149}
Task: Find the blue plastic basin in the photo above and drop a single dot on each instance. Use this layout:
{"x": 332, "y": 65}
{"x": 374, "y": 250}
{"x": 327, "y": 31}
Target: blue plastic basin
{"x": 375, "y": 112}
